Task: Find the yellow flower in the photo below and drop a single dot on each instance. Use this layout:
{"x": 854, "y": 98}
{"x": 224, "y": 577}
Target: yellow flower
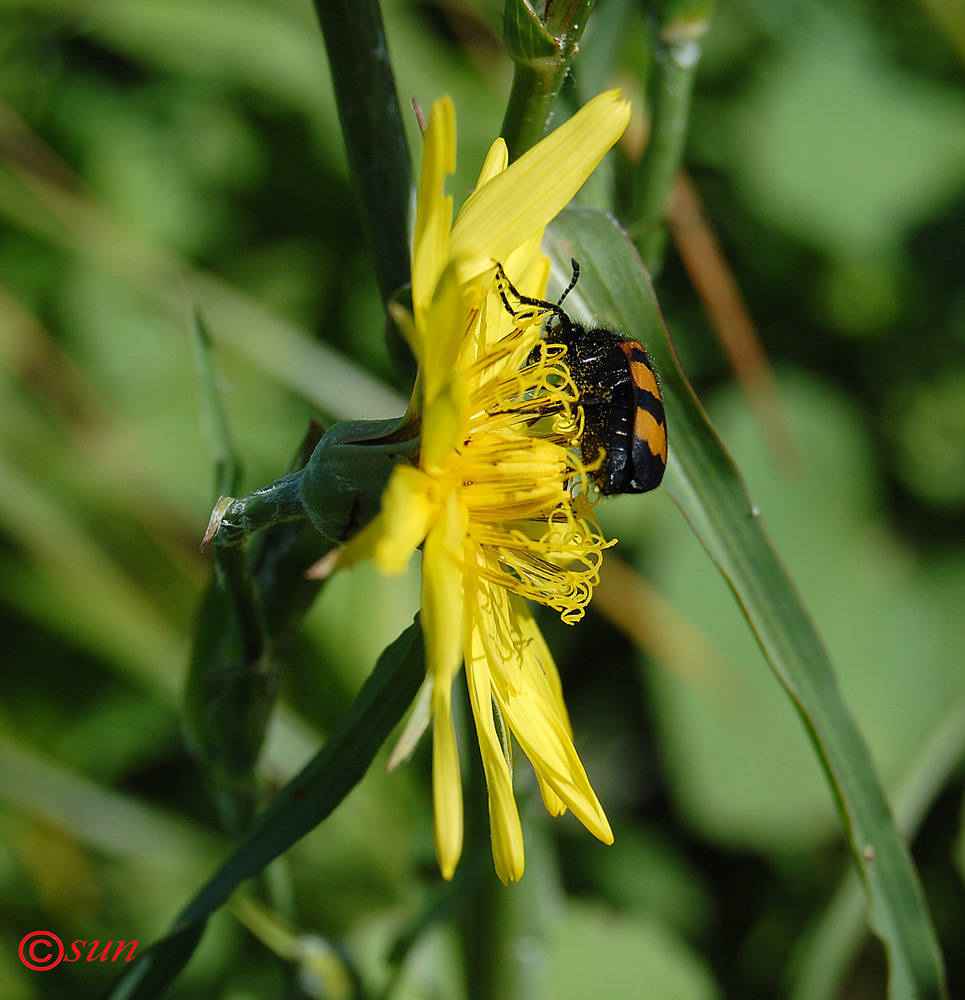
{"x": 496, "y": 501}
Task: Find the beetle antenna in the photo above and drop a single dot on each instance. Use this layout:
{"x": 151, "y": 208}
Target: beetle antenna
{"x": 573, "y": 281}
{"x": 525, "y": 300}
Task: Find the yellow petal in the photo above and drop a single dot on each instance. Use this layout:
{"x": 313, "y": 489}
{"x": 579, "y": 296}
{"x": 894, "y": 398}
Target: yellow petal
{"x": 412, "y": 732}
{"x": 434, "y": 208}
{"x": 361, "y": 546}
{"x": 529, "y": 271}
{"x": 409, "y": 506}
{"x": 405, "y": 321}
{"x": 539, "y": 670}
{"x": 446, "y": 784}
{"x": 553, "y": 804}
{"x": 438, "y": 156}
{"x": 544, "y": 740}
{"x": 504, "y": 824}
{"x": 499, "y": 637}
{"x": 442, "y": 594}
{"x": 447, "y": 323}
{"x": 526, "y": 196}
{"x": 445, "y": 423}
{"x": 429, "y": 257}
{"x": 538, "y": 664}
{"x": 532, "y": 267}
{"x": 442, "y": 613}
{"x": 495, "y": 163}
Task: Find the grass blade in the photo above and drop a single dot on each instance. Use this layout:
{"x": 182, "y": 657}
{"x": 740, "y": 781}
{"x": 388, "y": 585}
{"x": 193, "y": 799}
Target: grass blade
{"x": 299, "y": 807}
{"x": 705, "y": 485}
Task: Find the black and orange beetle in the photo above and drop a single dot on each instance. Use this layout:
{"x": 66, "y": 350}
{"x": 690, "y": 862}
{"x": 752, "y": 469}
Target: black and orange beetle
{"x": 623, "y": 413}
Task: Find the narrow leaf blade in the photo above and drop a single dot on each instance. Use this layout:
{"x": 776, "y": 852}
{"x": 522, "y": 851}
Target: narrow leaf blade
{"x": 705, "y": 485}
{"x": 309, "y": 798}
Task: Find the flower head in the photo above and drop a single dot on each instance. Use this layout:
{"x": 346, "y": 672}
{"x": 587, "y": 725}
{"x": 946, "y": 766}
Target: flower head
{"x": 496, "y": 500}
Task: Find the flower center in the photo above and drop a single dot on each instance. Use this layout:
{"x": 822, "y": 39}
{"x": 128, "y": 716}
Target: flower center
{"x": 521, "y": 478}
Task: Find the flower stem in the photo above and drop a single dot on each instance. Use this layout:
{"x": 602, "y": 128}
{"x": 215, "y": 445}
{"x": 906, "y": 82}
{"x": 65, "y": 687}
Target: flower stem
{"x": 250, "y": 607}
{"x": 679, "y": 26}
{"x": 378, "y": 153}
{"x": 450, "y": 897}
{"x": 211, "y": 405}
{"x": 486, "y": 932}
{"x": 499, "y": 919}
{"x": 234, "y": 520}
{"x": 235, "y": 577}
{"x": 542, "y": 46}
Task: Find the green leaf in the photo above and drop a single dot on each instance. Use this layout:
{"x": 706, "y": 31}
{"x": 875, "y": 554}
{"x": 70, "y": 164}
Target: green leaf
{"x": 745, "y": 773}
{"x": 705, "y": 485}
{"x": 310, "y": 797}
{"x": 829, "y": 950}
{"x": 155, "y": 969}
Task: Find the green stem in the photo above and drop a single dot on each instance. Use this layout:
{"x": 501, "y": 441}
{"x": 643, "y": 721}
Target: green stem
{"x": 248, "y": 610}
{"x": 378, "y": 153}
{"x": 486, "y": 932}
{"x": 368, "y": 109}
{"x": 542, "y": 47}
{"x": 235, "y": 576}
{"x": 677, "y": 50}
{"x": 474, "y": 866}
{"x": 211, "y": 405}
{"x": 499, "y": 916}
{"x": 532, "y": 98}
{"x": 270, "y": 505}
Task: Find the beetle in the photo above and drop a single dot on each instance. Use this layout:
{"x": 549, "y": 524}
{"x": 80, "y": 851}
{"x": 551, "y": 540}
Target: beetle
{"x": 623, "y": 414}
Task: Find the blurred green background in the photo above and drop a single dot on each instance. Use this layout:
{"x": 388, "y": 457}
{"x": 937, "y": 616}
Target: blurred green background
{"x": 155, "y": 149}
